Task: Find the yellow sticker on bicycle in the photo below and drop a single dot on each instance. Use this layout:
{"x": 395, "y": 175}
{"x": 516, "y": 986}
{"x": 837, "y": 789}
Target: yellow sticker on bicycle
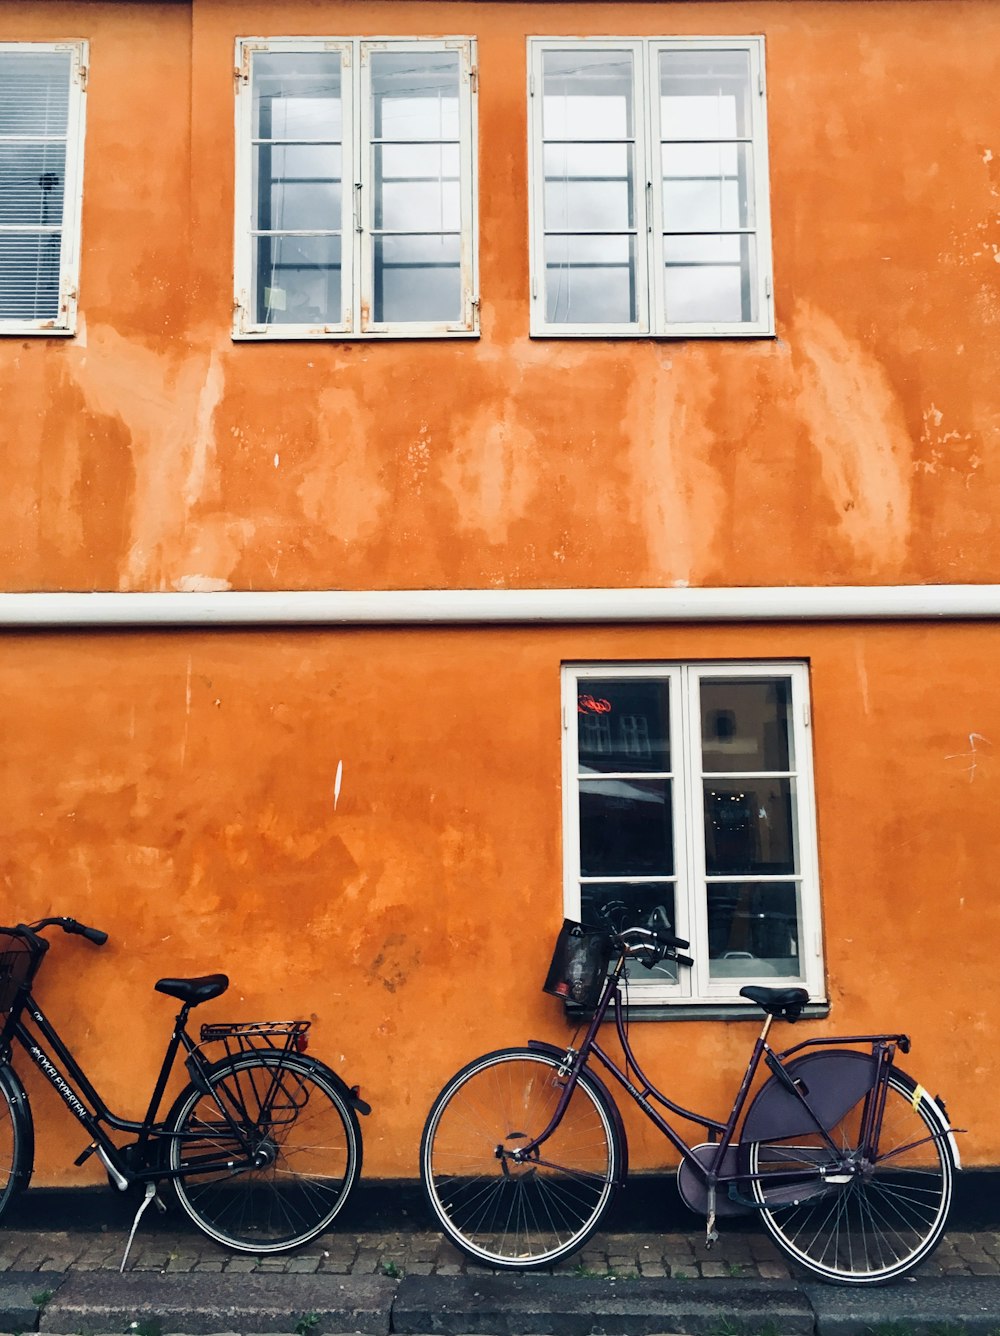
{"x": 918, "y": 1095}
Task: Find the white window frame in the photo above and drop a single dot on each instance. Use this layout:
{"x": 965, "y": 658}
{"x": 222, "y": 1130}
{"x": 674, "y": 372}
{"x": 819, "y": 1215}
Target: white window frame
{"x": 651, "y": 314}
{"x": 695, "y": 986}
{"x": 358, "y": 203}
{"x": 65, "y": 321}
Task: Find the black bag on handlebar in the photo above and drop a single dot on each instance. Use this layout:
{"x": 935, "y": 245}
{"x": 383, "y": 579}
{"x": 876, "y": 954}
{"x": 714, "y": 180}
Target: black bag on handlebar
{"x": 579, "y": 964}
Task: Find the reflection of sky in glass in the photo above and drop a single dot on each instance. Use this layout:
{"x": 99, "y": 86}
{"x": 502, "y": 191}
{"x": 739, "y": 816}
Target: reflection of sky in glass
{"x": 589, "y": 186}
{"x": 298, "y": 280}
{"x": 417, "y": 187}
{"x": 704, "y": 94}
{"x": 297, "y": 95}
{"x": 298, "y": 187}
{"x": 415, "y": 95}
{"x": 707, "y": 186}
{"x": 417, "y": 279}
{"x": 587, "y": 95}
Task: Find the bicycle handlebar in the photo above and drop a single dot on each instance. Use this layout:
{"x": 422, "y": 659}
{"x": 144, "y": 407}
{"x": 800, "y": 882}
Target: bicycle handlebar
{"x": 71, "y": 926}
{"x": 648, "y": 941}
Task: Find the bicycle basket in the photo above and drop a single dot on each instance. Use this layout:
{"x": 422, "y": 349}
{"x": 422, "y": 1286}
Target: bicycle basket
{"x": 19, "y": 960}
{"x": 579, "y": 964}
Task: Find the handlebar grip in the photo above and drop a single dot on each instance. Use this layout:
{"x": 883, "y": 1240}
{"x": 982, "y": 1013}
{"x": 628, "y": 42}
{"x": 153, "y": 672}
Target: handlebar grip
{"x": 94, "y": 935}
{"x": 683, "y": 960}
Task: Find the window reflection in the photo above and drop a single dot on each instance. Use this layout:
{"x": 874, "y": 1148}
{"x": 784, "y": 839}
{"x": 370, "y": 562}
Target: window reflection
{"x": 589, "y": 205}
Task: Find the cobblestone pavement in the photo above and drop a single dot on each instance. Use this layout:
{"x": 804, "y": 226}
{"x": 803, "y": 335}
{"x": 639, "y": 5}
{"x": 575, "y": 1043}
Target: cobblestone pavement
{"x": 744, "y": 1255}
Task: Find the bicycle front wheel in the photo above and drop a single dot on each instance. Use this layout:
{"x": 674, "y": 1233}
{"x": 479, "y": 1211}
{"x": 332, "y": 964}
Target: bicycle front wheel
{"x": 17, "y": 1140}
{"x": 528, "y": 1214}
{"x": 879, "y": 1218}
{"x": 267, "y": 1154}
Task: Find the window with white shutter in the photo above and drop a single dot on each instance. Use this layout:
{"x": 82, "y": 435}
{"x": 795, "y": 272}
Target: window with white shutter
{"x": 41, "y": 160}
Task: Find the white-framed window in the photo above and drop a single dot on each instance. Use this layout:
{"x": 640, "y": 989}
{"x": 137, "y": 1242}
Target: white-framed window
{"x": 42, "y": 99}
{"x": 649, "y": 188}
{"x": 355, "y": 188}
{"x": 690, "y": 786}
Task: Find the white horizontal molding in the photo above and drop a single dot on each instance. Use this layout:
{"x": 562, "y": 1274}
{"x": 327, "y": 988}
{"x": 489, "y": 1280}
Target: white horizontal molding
{"x": 438, "y": 607}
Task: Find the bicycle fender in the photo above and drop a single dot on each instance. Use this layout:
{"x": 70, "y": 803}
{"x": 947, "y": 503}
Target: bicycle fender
{"x": 830, "y": 1081}
{"x": 938, "y": 1111}
{"x": 539, "y": 1046}
{"x": 18, "y": 1097}
{"x": 350, "y": 1093}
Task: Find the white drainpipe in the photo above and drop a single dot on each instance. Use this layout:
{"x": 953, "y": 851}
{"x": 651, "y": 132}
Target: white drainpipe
{"x": 436, "y": 607}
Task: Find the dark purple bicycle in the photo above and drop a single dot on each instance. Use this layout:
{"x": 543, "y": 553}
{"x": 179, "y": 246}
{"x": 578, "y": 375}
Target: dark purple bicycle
{"x": 846, "y": 1159}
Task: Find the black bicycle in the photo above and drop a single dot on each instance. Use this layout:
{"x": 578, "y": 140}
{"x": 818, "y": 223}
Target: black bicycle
{"x": 847, "y": 1161}
{"x": 262, "y": 1147}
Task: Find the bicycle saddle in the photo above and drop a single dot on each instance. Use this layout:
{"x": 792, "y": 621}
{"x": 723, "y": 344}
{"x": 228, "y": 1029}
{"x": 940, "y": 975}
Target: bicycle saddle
{"x": 193, "y": 991}
{"x": 786, "y": 1002}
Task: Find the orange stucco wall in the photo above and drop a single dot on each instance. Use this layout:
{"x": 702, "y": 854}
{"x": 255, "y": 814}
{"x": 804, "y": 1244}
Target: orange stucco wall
{"x": 857, "y": 447}
{"x": 178, "y": 789}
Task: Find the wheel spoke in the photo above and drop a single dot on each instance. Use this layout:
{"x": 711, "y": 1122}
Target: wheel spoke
{"x": 518, "y": 1213}
{"x": 890, "y": 1214}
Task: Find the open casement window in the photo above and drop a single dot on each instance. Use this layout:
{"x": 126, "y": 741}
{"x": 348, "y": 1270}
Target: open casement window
{"x": 690, "y": 786}
{"x": 649, "y": 190}
{"x": 355, "y": 188}
{"x": 41, "y": 164}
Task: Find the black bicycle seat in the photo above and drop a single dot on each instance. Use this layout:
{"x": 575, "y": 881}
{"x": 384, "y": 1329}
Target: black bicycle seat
{"x": 786, "y": 1002}
{"x": 193, "y": 991}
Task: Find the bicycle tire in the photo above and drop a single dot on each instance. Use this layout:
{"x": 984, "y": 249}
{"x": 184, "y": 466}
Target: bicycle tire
{"x": 520, "y": 1217}
{"x": 17, "y": 1138}
{"x": 887, "y": 1218}
{"x": 301, "y": 1127}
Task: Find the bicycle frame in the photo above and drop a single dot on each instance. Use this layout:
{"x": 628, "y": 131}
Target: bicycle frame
{"x": 722, "y": 1133}
{"x": 82, "y": 1099}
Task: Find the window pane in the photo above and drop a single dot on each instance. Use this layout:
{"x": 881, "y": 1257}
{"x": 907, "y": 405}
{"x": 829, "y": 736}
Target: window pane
{"x": 746, "y": 725}
{"x": 589, "y": 187}
{"x": 639, "y": 901}
{"x": 298, "y": 187}
{"x": 34, "y": 92}
{"x": 706, "y": 187}
{"x": 710, "y": 279}
{"x": 29, "y": 275}
{"x": 417, "y": 188}
{"x": 297, "y": 95}
{"x": 418, "y": 279}
{"x": 705, "y": 94}
{"x": 32, "y": 178}
{"x": 626, "y": 828}
{"x": 415, "y": 95}
{"x": 298, "y": 281}
{"x": 590, "y": 280}
{"x": 587, "y": 95}
{"x": 623, "y": 724}
{"x": 753, "y": 930}
{"x": 749, "y": 826}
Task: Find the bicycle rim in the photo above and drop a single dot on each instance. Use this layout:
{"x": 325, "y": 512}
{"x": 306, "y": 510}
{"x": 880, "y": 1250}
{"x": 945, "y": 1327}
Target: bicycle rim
{"x": 886, "y": 1218}
{"x": 305, "y": 1139}
{"x": 13, "y": 1148}
{"x": 519, "y": 1216}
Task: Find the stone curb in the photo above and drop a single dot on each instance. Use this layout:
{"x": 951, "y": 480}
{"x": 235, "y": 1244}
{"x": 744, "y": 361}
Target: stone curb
{"x": 563, "y": 1306}
{"x": 92, "y": 1303}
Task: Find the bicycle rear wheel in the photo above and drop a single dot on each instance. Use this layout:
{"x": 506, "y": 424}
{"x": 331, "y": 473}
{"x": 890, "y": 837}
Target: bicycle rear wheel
{"x": 303, "y": 1138}
{"x": 875, "y": 1221}
{"x": 519, "y": 1216}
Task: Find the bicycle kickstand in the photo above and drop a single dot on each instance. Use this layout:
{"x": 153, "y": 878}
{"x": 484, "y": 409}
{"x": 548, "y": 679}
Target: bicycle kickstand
{"x": 711, "y": 1233}
{"x": 150, "y": 1195}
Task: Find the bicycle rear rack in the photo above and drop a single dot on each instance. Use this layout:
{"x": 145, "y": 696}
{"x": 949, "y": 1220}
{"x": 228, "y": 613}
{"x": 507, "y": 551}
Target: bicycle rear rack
{"x": 253, "y": 1036}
